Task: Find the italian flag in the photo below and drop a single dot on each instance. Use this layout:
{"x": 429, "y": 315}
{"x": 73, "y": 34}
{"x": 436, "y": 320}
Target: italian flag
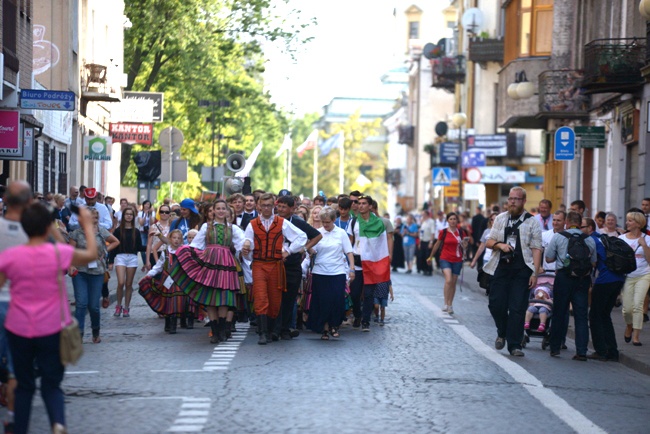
{"x": 373, "y": 246}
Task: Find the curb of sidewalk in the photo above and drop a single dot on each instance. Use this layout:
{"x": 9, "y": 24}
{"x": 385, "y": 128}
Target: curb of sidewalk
{"x": 469, "y": 282}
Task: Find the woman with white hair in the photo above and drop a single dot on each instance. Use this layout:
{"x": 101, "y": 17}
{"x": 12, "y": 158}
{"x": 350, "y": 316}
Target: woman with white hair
{"x": 329, "y": 275}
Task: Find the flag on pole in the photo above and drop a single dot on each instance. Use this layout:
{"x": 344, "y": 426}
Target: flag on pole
{"x": 336, "y": 141}
{"x": 373, "y": 245}
{"x": 287, "y": 144}
{"x": 310, "y": 143}
{"x": 250, "y": 161}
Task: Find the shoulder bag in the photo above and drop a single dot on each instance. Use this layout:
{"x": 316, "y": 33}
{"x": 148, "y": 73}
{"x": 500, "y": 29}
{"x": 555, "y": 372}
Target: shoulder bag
{"x": 71, "y": 347}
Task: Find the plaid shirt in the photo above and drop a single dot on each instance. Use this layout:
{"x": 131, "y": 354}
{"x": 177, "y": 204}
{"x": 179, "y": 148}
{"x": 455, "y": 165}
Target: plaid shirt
{"x": 530, "y": 237}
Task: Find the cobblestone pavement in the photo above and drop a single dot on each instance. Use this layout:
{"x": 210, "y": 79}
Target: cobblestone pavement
{"x": 424, "y": 372}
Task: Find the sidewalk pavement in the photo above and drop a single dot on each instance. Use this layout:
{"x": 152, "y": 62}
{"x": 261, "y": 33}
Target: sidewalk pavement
{"x": 637, "y": 358}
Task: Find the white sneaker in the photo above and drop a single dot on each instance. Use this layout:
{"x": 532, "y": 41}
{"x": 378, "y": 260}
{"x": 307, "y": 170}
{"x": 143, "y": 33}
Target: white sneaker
{"x": 445, "y": 309}
{"x": 450, "y": 311}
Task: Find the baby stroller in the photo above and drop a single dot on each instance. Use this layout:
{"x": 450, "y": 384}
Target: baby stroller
{"x": 544, "y": 285}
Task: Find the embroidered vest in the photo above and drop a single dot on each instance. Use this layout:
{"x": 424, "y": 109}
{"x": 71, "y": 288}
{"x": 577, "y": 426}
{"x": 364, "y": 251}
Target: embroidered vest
{"x": 268, "y": 245}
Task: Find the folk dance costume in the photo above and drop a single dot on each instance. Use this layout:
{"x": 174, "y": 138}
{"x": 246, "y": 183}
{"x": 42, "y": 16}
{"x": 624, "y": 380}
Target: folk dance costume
{"x": 161, "y": 293}
{"x": 266, "y": 238}
{"x": 208, "y": 272}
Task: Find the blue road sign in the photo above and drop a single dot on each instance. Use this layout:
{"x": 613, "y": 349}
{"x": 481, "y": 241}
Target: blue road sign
{"x": 47, "y": 99}
{"x": 473, "y": 159}
{"x": 449, "y": 153}
{"x": 441, "y": 176}
{"x": 565, "y": 144}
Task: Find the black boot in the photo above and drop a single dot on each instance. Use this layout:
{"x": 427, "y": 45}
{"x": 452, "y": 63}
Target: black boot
{"x": 167, "y": 323}
{"x": 273, "y": 334}
{"x": 183, "y": 321}
{"x": 222, "y": 329}
{"x": 228, "y": 329}
{"x": 262, "y": 329}
{"x": 214, "y": 326}
{"x": 172, "y": 324}
{"x": 190, "y": 320}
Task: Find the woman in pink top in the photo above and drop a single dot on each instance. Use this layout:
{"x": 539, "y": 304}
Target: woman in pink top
{"x": 34, "y": 318}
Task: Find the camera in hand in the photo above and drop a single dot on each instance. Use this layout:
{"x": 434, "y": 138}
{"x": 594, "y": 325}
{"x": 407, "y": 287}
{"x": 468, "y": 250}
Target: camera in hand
{"x": 507, "y": 257}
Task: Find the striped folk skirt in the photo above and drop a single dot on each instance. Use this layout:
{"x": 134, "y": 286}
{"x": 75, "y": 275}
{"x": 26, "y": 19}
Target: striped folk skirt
{"x": 210, "y": 277}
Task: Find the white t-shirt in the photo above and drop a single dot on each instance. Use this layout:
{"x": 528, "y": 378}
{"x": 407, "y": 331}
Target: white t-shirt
{"x": 11, "y": 235}
{"x": 488, "y": 252}
{"x": 330, "y": 252}
{"x": 440, "y": 225}
{"x": 546, "y": 238}
{"x": 641, "y": 263}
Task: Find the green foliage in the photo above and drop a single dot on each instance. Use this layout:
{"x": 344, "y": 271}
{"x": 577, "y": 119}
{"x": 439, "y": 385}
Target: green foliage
{"x": 210, "y": 50}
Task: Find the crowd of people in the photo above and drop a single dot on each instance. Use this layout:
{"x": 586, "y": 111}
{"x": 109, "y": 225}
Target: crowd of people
{"x": 287, "y": 263}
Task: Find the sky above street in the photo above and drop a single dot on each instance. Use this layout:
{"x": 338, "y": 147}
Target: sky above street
{"x": 353, "y": 46}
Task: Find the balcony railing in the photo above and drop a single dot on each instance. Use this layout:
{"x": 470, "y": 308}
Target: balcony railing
{"x": 447, "y": 71}
{"x": 614, "y": 65}
{"x": 561, "y": 94}
{"x": 486, "y": 50}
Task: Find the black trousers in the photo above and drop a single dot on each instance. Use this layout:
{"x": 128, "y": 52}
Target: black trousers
{"x": 508, "y": 303}
{"x": 356, "y": 289}
{"x": 603, "y": 338}
{"x": 294, "y": 278}
{"x": 423, "y": 254}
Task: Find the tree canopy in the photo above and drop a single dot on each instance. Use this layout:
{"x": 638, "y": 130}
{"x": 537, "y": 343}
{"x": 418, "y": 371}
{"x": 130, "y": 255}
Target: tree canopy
{"x": 210, "y": 50}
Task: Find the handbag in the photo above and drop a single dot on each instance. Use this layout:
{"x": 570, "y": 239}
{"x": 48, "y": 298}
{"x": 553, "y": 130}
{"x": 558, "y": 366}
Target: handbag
{"x": 70, "y": 345}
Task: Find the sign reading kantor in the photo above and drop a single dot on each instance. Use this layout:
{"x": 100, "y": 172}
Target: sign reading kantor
{"x": 132, "y": 133}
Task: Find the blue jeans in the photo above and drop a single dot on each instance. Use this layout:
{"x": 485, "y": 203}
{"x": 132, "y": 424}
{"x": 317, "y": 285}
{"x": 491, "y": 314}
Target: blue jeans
{"x": 42, "y": 353}
{"x": 574, "y": 290}
{"x": 4, "y": 343}
{"x": 87, "y": 292}
{"x": 508, "y": 302}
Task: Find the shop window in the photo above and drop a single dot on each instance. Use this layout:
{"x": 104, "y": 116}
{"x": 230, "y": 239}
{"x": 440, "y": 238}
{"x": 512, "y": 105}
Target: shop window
{"x": 414, "y": 30}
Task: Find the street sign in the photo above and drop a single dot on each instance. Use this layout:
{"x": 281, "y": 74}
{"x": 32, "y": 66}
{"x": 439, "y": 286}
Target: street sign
{"x": 47, "y": 99}
{"x": 206, "y": 174}
{"x": 171, "y": 137}
{"x": 473, "y": 159}
{"x": 591, "y": 137}
{"x": 441, "y": 176}
{"x": 449, "y": 153}
{"x": 179, "y": 171}
{"x": 453, "y": 190}
{"x": 565, "y": 144}
{"x": 473, "y": 175}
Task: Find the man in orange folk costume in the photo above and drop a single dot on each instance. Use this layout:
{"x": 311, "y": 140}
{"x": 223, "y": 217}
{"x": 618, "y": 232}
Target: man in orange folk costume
{"x": 265, "y": 236}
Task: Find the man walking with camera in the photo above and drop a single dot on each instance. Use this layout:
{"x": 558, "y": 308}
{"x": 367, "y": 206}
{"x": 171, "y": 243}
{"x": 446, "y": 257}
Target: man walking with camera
{"x": 516, "y": 242}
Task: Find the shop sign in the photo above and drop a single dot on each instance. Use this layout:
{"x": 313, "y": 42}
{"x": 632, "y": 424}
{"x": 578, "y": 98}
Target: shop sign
{"x": 501, "y": 175}
{"x": 449, "y": 153}
{"x": 493, "y": 145}
{"x": 590, "y": 137}
{"x": 132, "y": 133}
{"x": 97, "y": 148}
{"x": 10, "y": 134}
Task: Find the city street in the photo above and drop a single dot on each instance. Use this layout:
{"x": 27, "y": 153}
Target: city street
{"x": 424, "y": 372}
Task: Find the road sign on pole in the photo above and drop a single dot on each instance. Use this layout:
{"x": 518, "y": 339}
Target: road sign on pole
{"x": 473, "y": 159}
{"x": 441, "y": 176}
{"x": 47, "y": 99}
{"x": 565, "y": 144}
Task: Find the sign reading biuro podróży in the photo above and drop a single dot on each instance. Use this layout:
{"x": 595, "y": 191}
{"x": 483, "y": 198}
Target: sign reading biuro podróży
{"x": 123, "y": 132}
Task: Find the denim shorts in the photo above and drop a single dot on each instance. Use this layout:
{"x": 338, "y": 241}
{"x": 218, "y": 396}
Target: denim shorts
{"x": 383, "y": 302}
{"x": 128, "y": 260}
{"x": 455, "y": 266}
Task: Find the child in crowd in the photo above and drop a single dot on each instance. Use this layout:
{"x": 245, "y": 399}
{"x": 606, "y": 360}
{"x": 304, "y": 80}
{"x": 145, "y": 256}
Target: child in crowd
{"x": 543, "y": 309}
{"x": 159, "y": 290}
{"x": 381, "y": 294}
{"x": 190, "y": 235}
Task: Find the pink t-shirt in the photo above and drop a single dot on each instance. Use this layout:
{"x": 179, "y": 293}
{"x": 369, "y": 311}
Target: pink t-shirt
{"x": 35, "y": 307}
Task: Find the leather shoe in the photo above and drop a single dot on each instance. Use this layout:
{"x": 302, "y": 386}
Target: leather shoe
{"x": 637, "y": 344}
{"x": 555, "y": 354}
{"x": 596, "y": 356}
{"x": 105, "y": 302}
{"x": 517, "y": 353}
{"x": 580, "y": 358}
{"x": 499, "y": 343}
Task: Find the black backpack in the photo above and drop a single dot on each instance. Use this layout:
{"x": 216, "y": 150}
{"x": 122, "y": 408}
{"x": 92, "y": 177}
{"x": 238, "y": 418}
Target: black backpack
{"x": 619, "y": 256}
{"x": 578, "y": 255}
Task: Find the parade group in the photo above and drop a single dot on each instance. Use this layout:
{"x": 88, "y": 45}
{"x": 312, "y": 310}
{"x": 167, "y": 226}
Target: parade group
{"x": 286, "y": 263}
